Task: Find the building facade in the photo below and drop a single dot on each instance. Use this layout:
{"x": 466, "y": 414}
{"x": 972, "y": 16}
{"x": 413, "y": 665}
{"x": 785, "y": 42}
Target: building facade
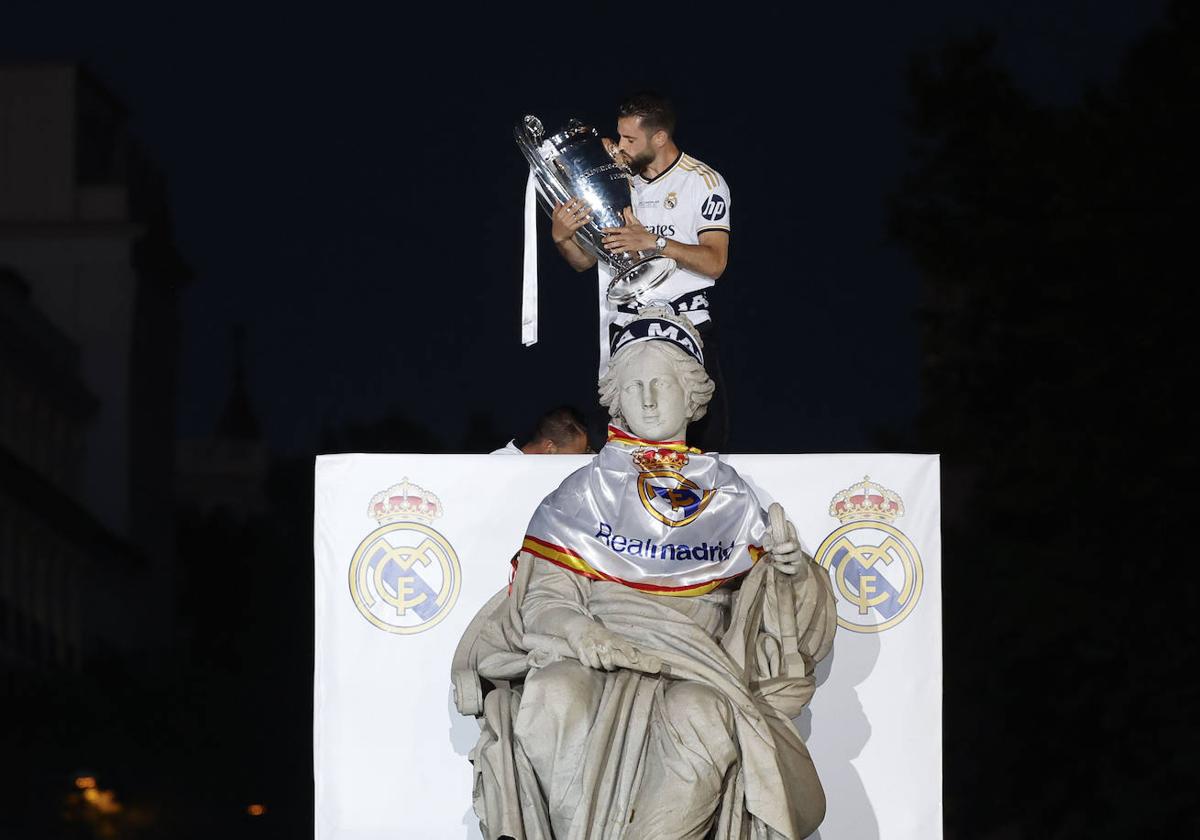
{"x": 89, "y": 286}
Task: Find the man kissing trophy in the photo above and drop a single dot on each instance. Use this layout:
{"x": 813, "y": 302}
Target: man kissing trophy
{"x": 659, "y": 635}
{"x": 576, "y": 163}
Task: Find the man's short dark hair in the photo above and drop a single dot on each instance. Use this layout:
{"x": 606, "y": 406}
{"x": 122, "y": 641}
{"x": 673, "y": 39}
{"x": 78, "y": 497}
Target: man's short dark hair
{"x": 654, "y": 109}
{"x": 561, "y": 425}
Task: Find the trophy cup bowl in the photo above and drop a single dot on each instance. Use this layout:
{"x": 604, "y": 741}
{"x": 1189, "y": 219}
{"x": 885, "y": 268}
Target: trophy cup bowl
{"x": 574, "y": 164}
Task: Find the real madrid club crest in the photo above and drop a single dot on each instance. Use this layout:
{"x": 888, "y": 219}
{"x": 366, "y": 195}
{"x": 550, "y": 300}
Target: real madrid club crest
{"x": 665, "y": 493}
{"x": 405, "y": 576}
{"x": 875, "y": 568}
{"x": 670, "y": 201}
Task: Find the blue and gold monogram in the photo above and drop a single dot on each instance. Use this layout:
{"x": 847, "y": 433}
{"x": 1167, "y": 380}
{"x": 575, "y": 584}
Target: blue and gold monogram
{"x": 875, "y": 568}
{"x": 665, "y": 493}
{"x": 405, "y": 576}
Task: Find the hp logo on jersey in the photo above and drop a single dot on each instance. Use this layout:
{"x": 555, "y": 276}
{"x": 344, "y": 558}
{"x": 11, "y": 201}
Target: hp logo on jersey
{"x": 713, "y": 208}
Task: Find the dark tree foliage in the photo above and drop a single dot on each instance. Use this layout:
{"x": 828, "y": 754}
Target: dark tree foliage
{"x": 1056, "y": 248}
{"x": 245, "y": 665}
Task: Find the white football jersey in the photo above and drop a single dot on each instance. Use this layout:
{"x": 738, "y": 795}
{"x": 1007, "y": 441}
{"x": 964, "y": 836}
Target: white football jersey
{"x": 681, "y": 203}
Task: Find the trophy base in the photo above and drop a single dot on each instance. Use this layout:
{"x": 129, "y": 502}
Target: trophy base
{"x": 635, "y": 282}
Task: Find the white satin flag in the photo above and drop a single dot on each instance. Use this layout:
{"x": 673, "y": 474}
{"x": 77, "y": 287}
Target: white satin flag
{"x": 409, "y": 547}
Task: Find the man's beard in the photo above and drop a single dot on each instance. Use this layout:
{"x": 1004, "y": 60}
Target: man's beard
{"x": 638, "y": 164}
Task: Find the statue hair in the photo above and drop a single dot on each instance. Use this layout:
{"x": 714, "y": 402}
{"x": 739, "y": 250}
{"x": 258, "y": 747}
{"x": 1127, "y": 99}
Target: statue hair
{"x": 696, "y": 382}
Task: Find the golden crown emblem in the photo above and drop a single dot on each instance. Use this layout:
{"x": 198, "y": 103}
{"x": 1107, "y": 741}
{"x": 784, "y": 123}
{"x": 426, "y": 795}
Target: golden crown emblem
{"x": 404, "y": 502}
{"x": 866, "y": 500}
{"x": 648, "y": 460}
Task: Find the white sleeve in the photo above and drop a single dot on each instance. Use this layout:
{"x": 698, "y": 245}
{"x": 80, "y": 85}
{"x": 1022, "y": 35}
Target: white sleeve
{"x": 712, "y": 206}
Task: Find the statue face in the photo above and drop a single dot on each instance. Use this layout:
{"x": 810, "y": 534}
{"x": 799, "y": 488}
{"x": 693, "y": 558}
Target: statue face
{"x": 653, "y": 400}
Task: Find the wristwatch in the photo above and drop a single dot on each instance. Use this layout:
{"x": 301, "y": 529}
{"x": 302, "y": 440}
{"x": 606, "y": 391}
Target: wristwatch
{"x": 660, "y": 244}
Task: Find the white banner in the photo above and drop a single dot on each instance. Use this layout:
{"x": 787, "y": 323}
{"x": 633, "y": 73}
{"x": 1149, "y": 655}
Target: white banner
{"x": 409, "y": 547}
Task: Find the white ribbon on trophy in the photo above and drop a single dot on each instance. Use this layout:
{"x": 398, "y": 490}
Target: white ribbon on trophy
{"x": 529, "y": 300}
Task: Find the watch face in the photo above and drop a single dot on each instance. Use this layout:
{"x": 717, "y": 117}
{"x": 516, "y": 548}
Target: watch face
{"x": 661, "y": 242}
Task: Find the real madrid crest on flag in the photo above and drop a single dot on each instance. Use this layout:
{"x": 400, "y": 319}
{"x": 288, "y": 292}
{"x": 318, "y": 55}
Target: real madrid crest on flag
{"x": 875, "y": 568}
{"x": 405, "y": 576}
{"x": 668, "y": 496}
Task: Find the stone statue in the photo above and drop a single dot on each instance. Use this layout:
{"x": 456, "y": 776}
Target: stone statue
{"x": 639, "y": 676}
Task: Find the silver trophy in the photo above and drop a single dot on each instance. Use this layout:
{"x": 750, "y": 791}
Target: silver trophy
{"x": 574, "y": 164}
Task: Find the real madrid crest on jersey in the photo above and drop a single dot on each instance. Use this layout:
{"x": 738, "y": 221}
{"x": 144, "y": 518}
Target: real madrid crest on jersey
{"x": 875, "y": 568}
{"x": 665, "y": 493}
{"x": 405, "y": 576}
{"x": 670, "y": 201}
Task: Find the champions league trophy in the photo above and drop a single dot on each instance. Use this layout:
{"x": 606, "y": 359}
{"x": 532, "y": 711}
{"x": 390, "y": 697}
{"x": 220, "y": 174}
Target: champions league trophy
{"x": 575, "y": 164}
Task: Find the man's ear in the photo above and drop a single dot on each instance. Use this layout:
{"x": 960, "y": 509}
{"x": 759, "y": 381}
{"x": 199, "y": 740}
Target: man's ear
{"x": 549, "y": 448}
{"x": 660, "y": 138}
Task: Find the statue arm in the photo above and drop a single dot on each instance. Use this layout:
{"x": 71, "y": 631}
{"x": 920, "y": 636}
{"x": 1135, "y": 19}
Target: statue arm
{"x": 814, "y": 608}
{"x": 782, "y": 625}
{"x": 555, "y": 604}
{"x": 555, "y": 599}
{"x": 808, "y": 614}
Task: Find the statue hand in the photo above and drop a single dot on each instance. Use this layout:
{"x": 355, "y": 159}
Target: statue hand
{"x": 782, "y": 542}
{"x": 600, "y": 648}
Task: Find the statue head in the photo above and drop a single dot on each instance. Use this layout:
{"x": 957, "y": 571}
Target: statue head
{"x": 656, "y": 383}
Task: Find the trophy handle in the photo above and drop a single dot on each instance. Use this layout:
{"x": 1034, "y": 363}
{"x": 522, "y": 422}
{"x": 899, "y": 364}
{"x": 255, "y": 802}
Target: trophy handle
{"x": 529, "y": 133}
{"x": 534, "y": 127}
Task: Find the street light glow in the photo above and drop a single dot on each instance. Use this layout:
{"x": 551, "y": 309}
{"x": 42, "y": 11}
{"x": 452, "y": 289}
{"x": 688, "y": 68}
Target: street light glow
{"x": 104, "y": 801}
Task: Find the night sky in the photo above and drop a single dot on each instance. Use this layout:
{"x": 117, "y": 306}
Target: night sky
{"x": 345, "y": 184}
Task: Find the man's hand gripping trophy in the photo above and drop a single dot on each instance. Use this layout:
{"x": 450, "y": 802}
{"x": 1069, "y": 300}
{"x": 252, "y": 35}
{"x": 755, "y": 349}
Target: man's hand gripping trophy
{"x": 568, "y": 217}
